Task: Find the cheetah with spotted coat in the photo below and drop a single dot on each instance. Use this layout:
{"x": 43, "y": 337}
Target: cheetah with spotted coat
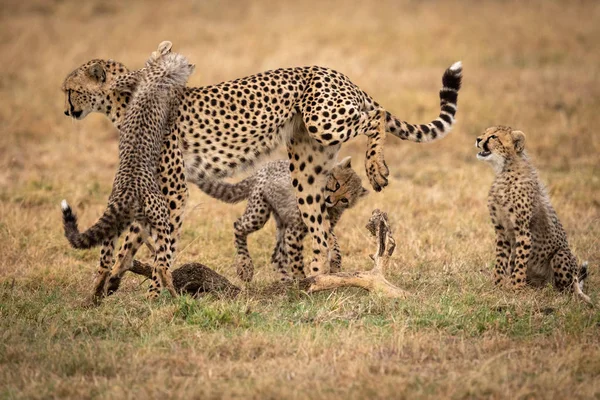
{"x": 136, "y": 195}
{"x": 312, "y": 110}
{"x": 531, "y": 244}
{"x": 270, "y": 191}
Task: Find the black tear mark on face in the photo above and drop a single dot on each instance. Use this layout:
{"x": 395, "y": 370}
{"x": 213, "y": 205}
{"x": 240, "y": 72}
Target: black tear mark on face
{"x": 72, "y": 112}
{"x": 485, "y": 144}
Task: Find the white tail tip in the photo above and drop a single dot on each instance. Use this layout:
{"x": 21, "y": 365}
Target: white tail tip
{"x": 457, "y": 66}
{"x": 64, "y": 205}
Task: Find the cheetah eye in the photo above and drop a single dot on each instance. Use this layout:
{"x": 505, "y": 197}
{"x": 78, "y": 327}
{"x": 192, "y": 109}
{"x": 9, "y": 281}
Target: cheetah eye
{"x": 337, "y": 185}
{"x": 493, "y": 137}
{"x": 344, "y": 200}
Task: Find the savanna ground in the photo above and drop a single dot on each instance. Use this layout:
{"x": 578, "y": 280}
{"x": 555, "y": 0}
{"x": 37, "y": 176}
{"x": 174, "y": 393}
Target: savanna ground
{"x": 531, "y": 65}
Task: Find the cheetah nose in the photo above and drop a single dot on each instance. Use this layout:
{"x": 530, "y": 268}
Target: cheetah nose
{"x": 67, "y": 113}
{"x": 477, "y": 142}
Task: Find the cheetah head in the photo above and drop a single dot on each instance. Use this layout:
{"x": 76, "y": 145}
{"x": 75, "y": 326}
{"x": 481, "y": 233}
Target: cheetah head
{"x": 499, "y": 144}
{"x": 88, "y": 88}
{"x": 344, "y": 186}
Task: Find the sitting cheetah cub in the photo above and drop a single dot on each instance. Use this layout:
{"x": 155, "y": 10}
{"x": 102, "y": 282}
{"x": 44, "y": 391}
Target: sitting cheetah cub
{"x": 531, "y": 244}
{"x": 270, "y": 190}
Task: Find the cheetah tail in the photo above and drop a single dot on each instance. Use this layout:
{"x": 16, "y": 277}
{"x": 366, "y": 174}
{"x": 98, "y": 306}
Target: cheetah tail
{"x": 112, "y": 223}
{"x": 228, "y": 192}
{"x": 583, "y": 273}
{"x": 439, "y": 127}
{"x": 578, "y": 283}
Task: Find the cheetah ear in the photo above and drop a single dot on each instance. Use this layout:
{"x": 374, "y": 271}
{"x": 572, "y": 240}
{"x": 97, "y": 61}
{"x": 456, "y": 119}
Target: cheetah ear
{"x": 97, "y": 72}
{"x": 346, "y": 162}
{"x": 363, "y": 192}
{"x": 164, "y": 48}
{"x": 518, "y": 138}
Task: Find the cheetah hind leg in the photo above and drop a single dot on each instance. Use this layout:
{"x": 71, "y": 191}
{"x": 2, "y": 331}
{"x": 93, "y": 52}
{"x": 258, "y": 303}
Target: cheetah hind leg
{"x": 375, "y": 165}
{"x": 103, "y": 271}
{"x": 335, "y": 254}
{"x": 134, "y": 239}
{"x": 567, "y": 274}
{"x": 369, "y": 123}
{"x": 161, "y": 273}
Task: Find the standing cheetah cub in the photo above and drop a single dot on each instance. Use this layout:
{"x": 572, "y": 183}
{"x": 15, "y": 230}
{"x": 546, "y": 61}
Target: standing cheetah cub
{"x": 270, "y": 191}
{"x": 531, "y": 244}
{"x": 136, "y": 194}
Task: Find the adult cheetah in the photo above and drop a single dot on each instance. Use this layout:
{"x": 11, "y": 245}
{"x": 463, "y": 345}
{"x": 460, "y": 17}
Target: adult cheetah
{"x": 531, "y": 244}
{"x": 312, "y": 110}
{"x": 136, "y": 195}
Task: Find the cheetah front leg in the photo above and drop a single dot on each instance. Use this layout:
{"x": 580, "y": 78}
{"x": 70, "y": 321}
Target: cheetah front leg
{"x": 294, "y": 248}
{"x": 502, "y": 254}
{"x": 522, "y": 248}
{"x": 335, "y": 257}
{"x": 103, "y": 272}
{"x": 310, "y": 162}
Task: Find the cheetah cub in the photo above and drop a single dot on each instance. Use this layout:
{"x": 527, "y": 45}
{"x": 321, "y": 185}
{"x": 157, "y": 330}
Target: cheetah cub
{"x": 270, "y": 191}
{"x": 136, "y": 195}
{"x": 531, "y": 244}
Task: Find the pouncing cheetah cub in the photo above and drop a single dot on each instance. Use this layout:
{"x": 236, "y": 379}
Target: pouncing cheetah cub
{"x": 136, "y": 195}
{"x": 270, "y": 191}
{"x": 531, "y": 244}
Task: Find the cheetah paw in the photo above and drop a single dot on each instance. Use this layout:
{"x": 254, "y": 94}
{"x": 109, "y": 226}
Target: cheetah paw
{"x": 244, "y": 269}
{"x": 152, "y": 293}
{"x": 318, "y": 268}
{"x": 111, "y": 285}
{"x": 285, "y": 278}
{"x": 377, "y": 172}
{"x": 517, "y": 286}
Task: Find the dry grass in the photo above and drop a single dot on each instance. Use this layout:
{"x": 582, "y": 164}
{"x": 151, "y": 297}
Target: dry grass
{"x": 532, "y": 65}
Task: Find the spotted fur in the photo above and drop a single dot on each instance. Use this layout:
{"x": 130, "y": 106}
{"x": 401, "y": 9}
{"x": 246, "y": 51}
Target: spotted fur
{"x": 136, "y": 194}
{"x": 312, "y": 110}
{"x": 531, "y": 244}
{"x": 270, "y": 191}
